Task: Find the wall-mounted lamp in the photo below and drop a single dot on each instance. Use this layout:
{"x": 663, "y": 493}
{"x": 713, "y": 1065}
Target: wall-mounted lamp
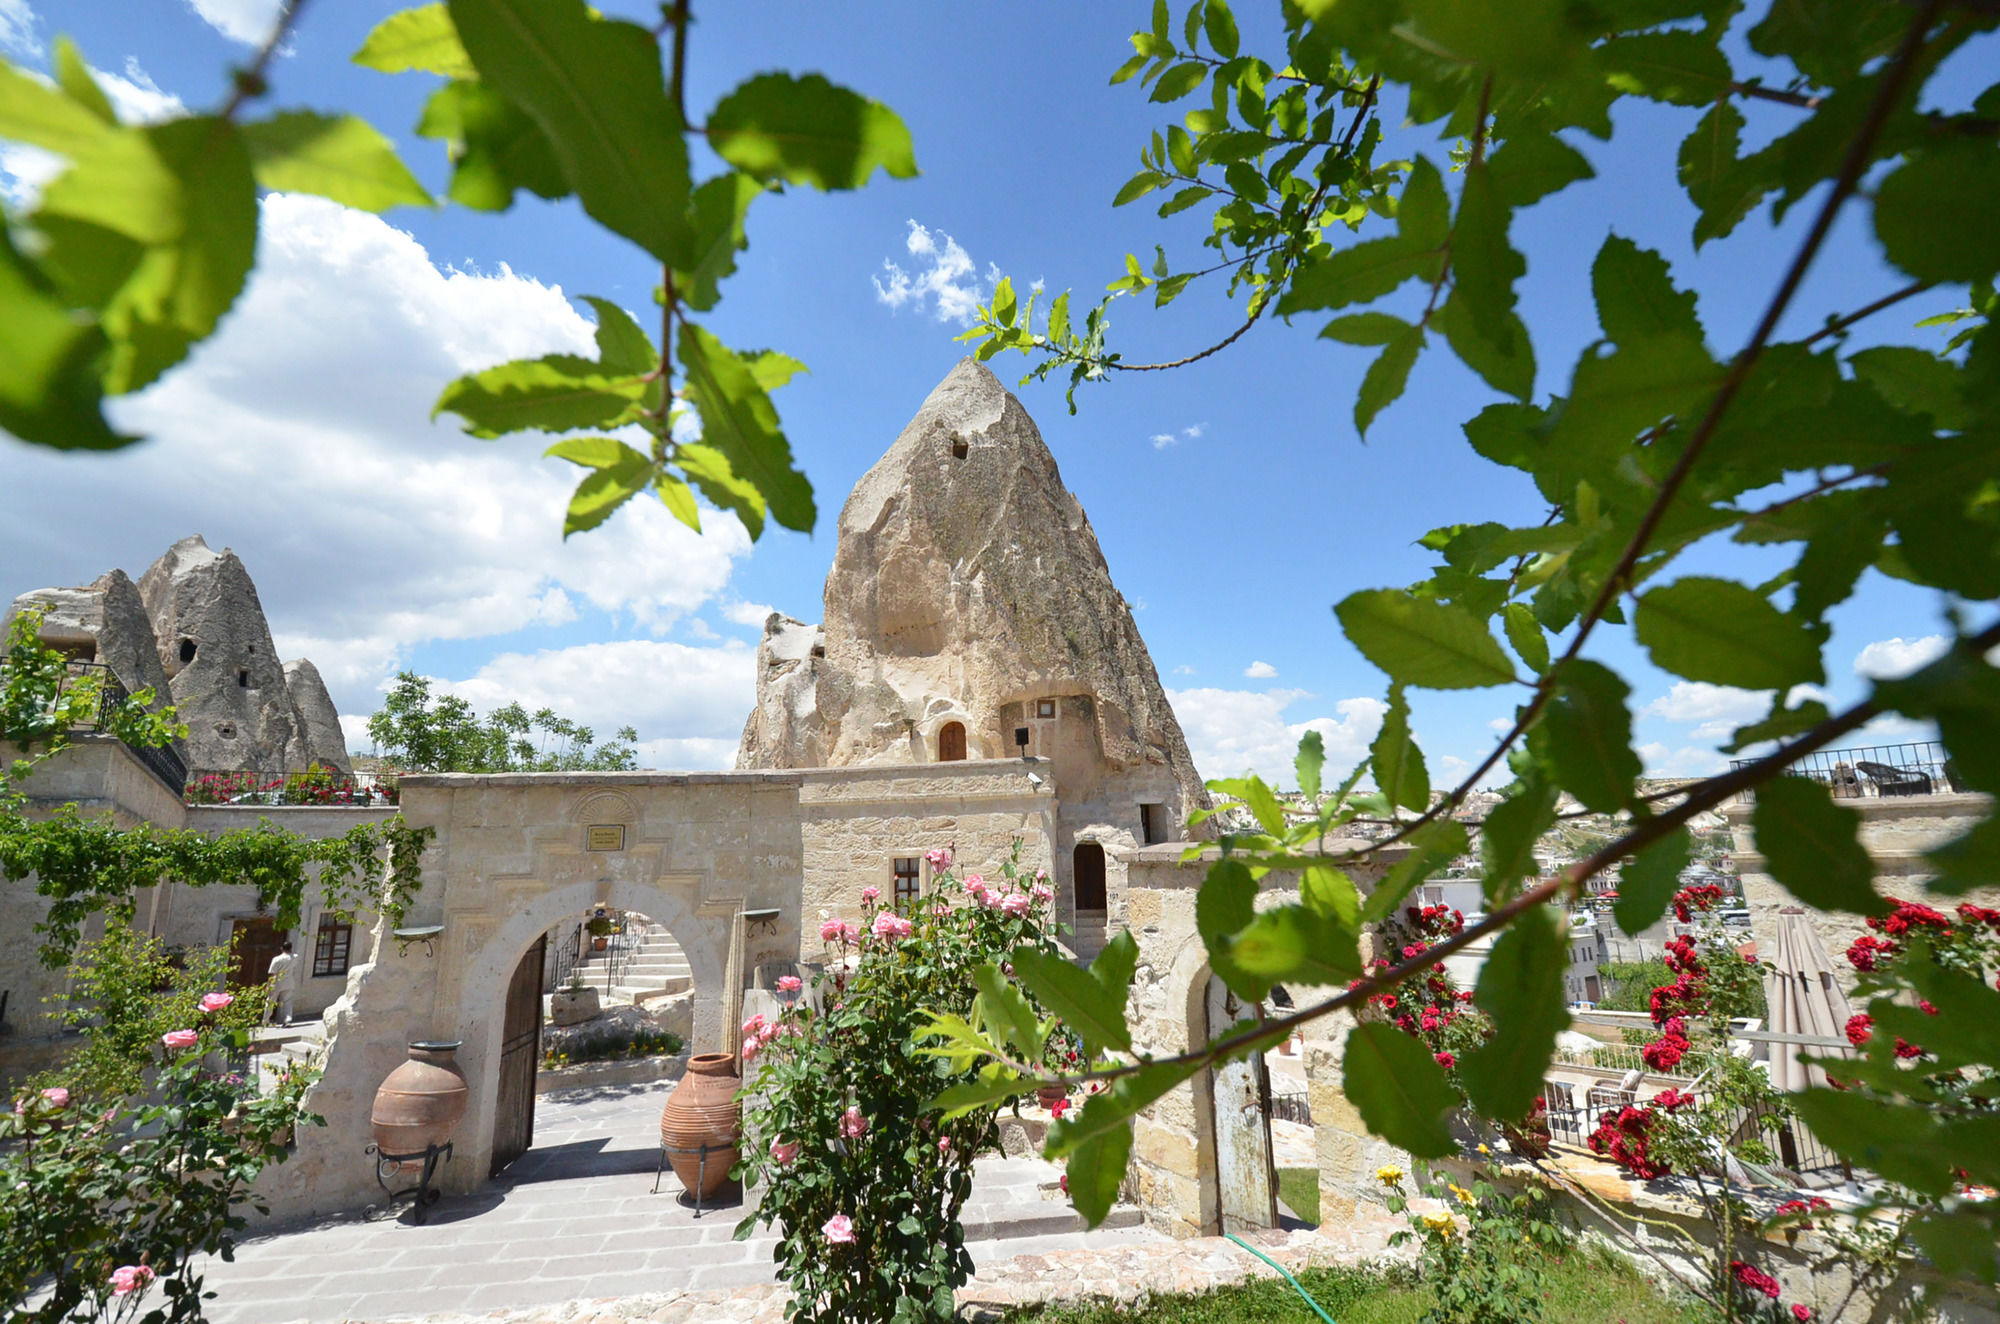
{"x": 1021, "y": 739}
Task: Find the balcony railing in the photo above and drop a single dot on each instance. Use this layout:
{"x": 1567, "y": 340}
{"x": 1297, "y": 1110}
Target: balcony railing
{"x": 1868, "y": 771}
{"x": 313, "y": 786}
{"x": 163, "y": 761}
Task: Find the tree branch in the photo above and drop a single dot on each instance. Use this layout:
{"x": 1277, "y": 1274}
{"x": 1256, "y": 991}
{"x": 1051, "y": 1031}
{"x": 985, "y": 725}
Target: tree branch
{"x": 250, "y": 81}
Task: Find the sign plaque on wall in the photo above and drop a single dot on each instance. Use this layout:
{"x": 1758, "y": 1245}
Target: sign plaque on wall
{"x": 604, "y": 836}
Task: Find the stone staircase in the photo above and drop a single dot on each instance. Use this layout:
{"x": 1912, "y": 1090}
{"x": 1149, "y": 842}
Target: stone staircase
{"x": 656, "y": 968}
{"x": 1090, "y": 936}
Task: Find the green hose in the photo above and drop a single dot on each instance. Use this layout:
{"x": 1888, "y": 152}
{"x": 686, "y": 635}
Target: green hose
{"x": 1307, "y": 1296}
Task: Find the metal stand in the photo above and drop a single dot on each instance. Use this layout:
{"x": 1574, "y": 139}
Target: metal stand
{"x": 426, "y": 1195}
{"x": 700, "y": 1171}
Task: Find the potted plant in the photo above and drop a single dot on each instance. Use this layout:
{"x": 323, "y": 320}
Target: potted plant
{"x": 599, "y": 927}
{"x": 575, "y": 1004}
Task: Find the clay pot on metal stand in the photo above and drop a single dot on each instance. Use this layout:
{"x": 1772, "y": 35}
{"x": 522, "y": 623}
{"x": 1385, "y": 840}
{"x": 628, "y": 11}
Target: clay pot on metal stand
{"x": 702, "y": 1111}
{"x": 421, "y": 1102}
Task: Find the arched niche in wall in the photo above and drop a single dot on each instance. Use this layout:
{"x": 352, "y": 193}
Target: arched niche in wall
{"x": 951, "y": 743}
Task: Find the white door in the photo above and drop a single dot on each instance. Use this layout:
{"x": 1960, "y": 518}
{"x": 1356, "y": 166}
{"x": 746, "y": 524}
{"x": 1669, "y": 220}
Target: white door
{"x": 1246, "y": 1184}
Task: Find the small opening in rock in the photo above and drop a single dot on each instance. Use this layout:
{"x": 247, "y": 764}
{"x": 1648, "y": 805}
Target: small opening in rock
{"x": 819, "y": 650}
{"x": 959, "y": 450}
{"x": 243, "y": 680}
{"x": 187, "y": 650}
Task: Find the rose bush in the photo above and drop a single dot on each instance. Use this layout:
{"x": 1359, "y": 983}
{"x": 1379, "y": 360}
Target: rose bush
{"x": 862, "y": 1182}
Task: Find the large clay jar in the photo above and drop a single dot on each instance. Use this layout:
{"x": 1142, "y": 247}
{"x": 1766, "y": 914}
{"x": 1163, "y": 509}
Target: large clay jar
{"x": 703, "y": 1110}
{"x": 421, "y": 1102}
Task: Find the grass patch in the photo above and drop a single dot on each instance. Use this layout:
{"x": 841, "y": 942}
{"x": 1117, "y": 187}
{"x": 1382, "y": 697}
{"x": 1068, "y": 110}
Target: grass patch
{"x": 1583, "y": 1288}
{"x": 1299, "y": 1189}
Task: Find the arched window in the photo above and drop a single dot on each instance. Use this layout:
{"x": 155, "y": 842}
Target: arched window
{"x": 951, "y": 742}
{"x": 1087, "y": 873}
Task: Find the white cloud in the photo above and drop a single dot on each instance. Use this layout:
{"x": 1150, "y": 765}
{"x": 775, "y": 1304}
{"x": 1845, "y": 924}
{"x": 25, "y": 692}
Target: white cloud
{"x": 1231, "y": 731}
{"x": 18, "y": 21}
{"x": 136, "y": 97}
{"x": 1888, "y": 658}
{"x": 1501, "y": 725}
{"x": 1717, "y": 710}
{"x": 751, "y": 614}
{"x": 1192, "y": 432}
{"x": 1687, "y": 761}
{"x": 1162, "y": 440}
{"x": 247, "y": 21}
{"x": 300, "y": 436}
{"x": 943, "y": 275}
{"x": 1183, "y": 671}
{"x": 1260, "y": 671}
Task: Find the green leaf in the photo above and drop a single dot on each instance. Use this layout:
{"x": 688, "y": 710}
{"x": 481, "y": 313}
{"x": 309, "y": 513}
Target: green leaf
{"x": 679, "y": 500}
{"x": 1004, "y": 1010}
{"x": 1003, "y": 304}
{"x": 1588, "y": 731}
{"x": 1525, "y": 633}
{"x": 1178, "y": 81}
{"x": 1096, "y": 1170}
{"x": 803, "y": 129}
{"x": 1226, "y": 904}
{"x": 1114, "y": 1107}
{"x": 1682, "y": 68}
{"x": 709, "y": 469}
{"x": 1915, "y": 380}
{"x": 1529, "y": 168}
{"x": 495, "y": 148}
{"x": 1369, "y": 328}
{"x": 1521, "y": 988}
{"x": 1361, "y": 273}
{"x": 1938, "y": 214}
{"x": 1220, "y": 25}
{"x": 1420, "y": 642}
{"x": 595, "y": 452}
{"x": 50, "y": 361}
{"x": 594, "y": 87}
{"x": 1114, "y": 966}
{"x": 1325, "y": 889}
{"x": 553, "y": 393}
{"x": 1648, "y": 881}
{"x": 1261, "y": 800}
{"x": 773, "y": 369}
{"x": 1721, "y": 632}
{"x": 332, "y": 156}
{"x": 1395, "y": 759}
{"x": 1507, "y": 840}
{"x": 1386, "y": 377}
{"x": 73, "y": 77}
{"x": 1810, "y": 844}
{"x": 1506, "y": 365}
{"x": 1433, "y": 846}
{"x": 1083, "y": 1002}
{"x": 422, "y": 39}
{"x": 1139, "y": 186}
{"x": 1614, "y": 397}
{"x": 1399, "y": 1089}
{"x": 720, "y": 206}
{"x": 1636, "y": 298}
{"x": 33, "y": 112}
{"x": 993, "y": 1084}
{"x": 1723, "y": 186}
{"x": 621, "y": 346}
{"x": 1308, "y": 762}
{"x": 1295, "y": 945}
{"x": 1184, "y": 199}
{"x": 739, "y": 421}
{"x": 1423, "y": 214}
{"x": 604, "y": 490}
{"x": 1484, "y": 264}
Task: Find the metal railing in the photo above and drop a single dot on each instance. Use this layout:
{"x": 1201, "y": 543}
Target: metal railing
{"x": 314, "y": 786}
{"x": 1291, "y": 1106}
{"x": 163, "y": 761}
{"x": 1574, "y": 1114}
{"x": 1868, "y": 771}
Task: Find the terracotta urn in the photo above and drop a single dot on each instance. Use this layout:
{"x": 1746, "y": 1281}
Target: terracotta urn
{"x": 1050, "y": 1095}
{"x": 703, "y": 1110}
{"x": 422, "y": 1101}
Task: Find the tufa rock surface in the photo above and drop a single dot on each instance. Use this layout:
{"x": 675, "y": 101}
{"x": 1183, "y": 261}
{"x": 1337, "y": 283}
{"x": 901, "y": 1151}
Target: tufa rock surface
{"x": 967, "y": 580}
{"x": 319, "y": 720}
{"x": 104, "y": 621}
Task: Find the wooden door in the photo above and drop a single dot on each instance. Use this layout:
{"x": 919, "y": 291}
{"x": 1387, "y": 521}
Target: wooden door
{"x": 951, "y": 742}
{"x": 520, "y": 1057}
{"x": 1247, "y": 1184}
{"x": 1087, "y": 876}
{"x": 252, "y": 944}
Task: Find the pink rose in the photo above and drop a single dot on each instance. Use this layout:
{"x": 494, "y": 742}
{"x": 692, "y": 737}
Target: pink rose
{"x": 749, "y": 1050}
{"x": 57, "y": 1098}
{"x": 214, "y": 1002}
{"x": 789, "y": 984}
{"x": 1042, "y": 893}
{"x": 850, "y": 933}
{"x": 1447, "y": 1061}
{"x": 130, "y": 1278}
{"x": 782, "y": 1153}
{"x": 974, "y": 883}
{"x": 754, "y": 1024}
{"x": 1015, "y": 903}
{"x": 831, "y": 931}
{"x": 870, "y": 895}
{"x": 1803, "y": 1314}
{"x": 944, "y": 1144}
{"x": 177, "y": 1040}
{"x": 940, "y": 859}
{"x": 853, "y": 1125}
{"x": 987, "y": 898}
{"x": 889, "y": 925}
{"x": 839, "y": 1230}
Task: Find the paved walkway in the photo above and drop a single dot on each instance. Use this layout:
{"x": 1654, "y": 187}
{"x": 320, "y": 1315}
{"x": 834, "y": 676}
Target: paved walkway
{"x": 576, "y": 1218}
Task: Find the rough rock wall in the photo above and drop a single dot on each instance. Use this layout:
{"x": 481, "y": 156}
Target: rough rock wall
{"x": 966, "y": 578}
{"x": 319, "y": 720}
{"x": 107, "y": 615}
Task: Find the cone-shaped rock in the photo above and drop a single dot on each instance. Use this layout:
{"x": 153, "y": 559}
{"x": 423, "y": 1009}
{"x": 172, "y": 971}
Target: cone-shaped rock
{"x": 968, "y": 591}
{"x": 103, "y": 622}
{"x": 319, "y": 720}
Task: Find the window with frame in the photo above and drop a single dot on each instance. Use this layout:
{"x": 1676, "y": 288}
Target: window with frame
{"x": 331, "y": 946}
{"x": 909, "y": 882}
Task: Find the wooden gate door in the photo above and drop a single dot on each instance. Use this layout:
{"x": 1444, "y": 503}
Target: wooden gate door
{"x": 252, "y": 944}
{"x": 520, "y": 1057}
{"x": 1247, "y": 1185}
{"x": 1087, "y": 875}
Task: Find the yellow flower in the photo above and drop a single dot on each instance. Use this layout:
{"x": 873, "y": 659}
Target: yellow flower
{"x": 1440, "y": 1222}
{"x": 1388, "y": 1174}
{"x": 1464, "y": 1196}
{"x": 1484, "y": 1150}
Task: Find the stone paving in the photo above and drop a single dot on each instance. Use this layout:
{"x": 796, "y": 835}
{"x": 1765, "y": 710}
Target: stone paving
{"x": 574, "y": 1218}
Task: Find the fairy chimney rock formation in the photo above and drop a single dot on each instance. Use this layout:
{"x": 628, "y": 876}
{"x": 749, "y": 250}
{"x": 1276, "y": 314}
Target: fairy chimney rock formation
{"x": 319, "y": 720}
{"x": 105, "y": 621}
{"x": 968, "y": 589}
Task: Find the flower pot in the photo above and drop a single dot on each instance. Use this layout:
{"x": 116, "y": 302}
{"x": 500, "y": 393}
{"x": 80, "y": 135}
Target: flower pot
{"x": 421, "y": 1102}
{"x": 599, "y": 943}
{"x": 703, "y": 1110}
{"x": 573, "y": 1006}
{"x": 1050, "y": 1095}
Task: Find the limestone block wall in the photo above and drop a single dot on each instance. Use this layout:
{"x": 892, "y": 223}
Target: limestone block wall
{"x": 513, "y": 856}
{"x": 1895, "y": 830}
{"x": 855, "y": 821}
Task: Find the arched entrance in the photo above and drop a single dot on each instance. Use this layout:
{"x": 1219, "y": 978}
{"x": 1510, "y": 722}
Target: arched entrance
{"x": 520, "y": 1057}
{"x": 1246, "y": 1178}
{"x": 1087, "y": 877}
{"x": 951, "y": 743}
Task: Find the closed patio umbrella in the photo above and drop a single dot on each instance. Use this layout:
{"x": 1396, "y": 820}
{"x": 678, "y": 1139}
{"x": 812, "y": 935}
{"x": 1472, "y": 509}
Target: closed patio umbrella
{"x": 1806, "y": 997}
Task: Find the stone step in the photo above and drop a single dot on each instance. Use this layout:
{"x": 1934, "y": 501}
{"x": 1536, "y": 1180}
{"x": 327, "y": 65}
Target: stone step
{"x": 1037, "y": 1218}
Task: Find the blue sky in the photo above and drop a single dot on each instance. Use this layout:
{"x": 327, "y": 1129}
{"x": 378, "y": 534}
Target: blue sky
{"x": 1233, "y": 499}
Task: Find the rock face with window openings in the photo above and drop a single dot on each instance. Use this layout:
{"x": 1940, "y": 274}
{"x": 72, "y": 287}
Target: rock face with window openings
{"x": 968, "y": 588}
